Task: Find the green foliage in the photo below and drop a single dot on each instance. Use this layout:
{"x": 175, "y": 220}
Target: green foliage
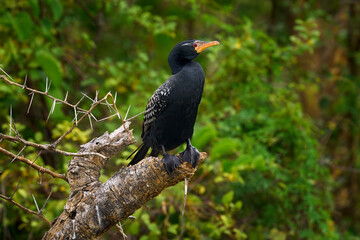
{"x": 263, "y": 178}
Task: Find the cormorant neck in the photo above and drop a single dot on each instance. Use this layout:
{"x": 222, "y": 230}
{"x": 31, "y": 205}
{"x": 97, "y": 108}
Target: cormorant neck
{"x": 176, "y": 62}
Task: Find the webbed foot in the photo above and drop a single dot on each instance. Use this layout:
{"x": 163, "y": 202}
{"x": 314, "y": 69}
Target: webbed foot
{"x": 170, "y": 162}
{"x": 190, "y": 155}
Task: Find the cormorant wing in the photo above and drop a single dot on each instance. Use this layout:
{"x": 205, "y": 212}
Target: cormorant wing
{"x": 157, "y": 103}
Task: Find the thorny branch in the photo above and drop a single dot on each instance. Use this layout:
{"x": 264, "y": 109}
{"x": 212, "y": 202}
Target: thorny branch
{"x": 34, "y": 165}
{"x": 39, "y": 213}
{"x": 109, "y": 202}
{"x": 47, "y": 147}
{"x": 76, "y": 107}
{"x": 25, "y": 209}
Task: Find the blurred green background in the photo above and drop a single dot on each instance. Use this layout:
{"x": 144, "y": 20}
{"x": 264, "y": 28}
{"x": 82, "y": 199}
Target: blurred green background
{"x": 279, "y": 115}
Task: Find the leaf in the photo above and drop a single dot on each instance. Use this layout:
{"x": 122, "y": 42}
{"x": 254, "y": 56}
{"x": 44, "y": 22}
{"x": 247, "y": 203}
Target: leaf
{"x": 204, "y": 136}
{"x": 50, "y": 65}
{"x": 228, "y": 197}
{"x": 35, "y": 6}
{"x": 22, "y": 25}
{"x": 56, "y": 8}
{"x": 225, "y": 146}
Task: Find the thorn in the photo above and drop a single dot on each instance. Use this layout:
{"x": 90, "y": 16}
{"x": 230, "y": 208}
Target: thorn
{"x": 92, "y": 115}
{"x": 66, "y": 96}
{"x": 16, "y": 188}
{"x": 42, "y": 208}
{"x": 37, "y": 156}
{"x": 10, "y": 127}
{"x": 85, "y": 95}
{"x": 18, "y": 154}
{"x": 46, "y": 85}
{"x": 6, "y": 74}
{"x": 31, "y": 100}
{"x": 80, "y": 100}
{"x": 115, "y": 98}
{"x": 96, "y": 95}
{"x": 40, "y": 177}
{"x": 51, "y": 110}
{"x": 15, "y": 129}
{"x": 90, "y": 122}
{"x": 135, "y": 116}
{"x": 37, "y": 207}
{"x": 127, "y": 112}
{"x": 105, "y": 118}
{"x": 25, "y": 82}
{"x": 76, "y": 121}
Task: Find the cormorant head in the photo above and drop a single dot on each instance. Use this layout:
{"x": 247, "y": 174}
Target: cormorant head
{"x": 187, "y": 51}
{"x": 190, "y": 49}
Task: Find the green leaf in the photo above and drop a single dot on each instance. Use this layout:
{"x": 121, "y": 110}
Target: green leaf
{"x": 228, "y": 197}
{"x": 22, "y": 25}
{"x": 56, "y": 8}
{"x": 225, "y": 146}
{"x": 204, "y": 136}
{"x": 35, "y": 6}
{"x": 50, "y": 65}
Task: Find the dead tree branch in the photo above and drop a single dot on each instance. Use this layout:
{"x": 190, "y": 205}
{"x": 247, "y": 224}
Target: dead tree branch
{"x": 39, "y": 214}
{"x": 94, "y": 207}
{"x": 47, "y": 147}
{"x": 33, "y": 165}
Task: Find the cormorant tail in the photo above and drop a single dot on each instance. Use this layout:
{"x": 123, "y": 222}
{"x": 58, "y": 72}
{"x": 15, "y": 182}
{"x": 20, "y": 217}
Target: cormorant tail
{"x": 141, "y": 151}
{"x": 154, "y": 153}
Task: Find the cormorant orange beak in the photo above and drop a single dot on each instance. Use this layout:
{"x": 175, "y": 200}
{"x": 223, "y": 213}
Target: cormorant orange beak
{"x": 201, "y": 46}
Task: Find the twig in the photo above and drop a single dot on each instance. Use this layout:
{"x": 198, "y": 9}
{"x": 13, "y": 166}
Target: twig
{"x": 24, "y": 208}
{"x": 37, "y": 91}
{"x": 35, "y": 166}
{"x": 47, "y": 147}
{"x": 88, "y": 112}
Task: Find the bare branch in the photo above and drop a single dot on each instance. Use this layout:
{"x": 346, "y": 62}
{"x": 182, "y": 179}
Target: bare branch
{"x": 47, "y": 147}
{"x": 35, "y": 166}
{"x": 24, "y": 208}
{"x": 36, "y": 91}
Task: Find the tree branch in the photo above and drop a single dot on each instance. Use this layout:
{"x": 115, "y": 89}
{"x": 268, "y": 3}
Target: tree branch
{"x": 33, "y": 165}
{"x": 94, "y": 207}
{"x": 47, "y": 147}
{"x": 24, "y": 208}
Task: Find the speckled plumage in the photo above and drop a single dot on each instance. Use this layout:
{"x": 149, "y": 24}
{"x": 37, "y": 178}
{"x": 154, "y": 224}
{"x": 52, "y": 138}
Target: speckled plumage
{"x": 171, "y": 111}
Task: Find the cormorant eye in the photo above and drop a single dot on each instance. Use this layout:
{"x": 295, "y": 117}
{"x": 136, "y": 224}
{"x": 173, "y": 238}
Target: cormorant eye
{"x": 195, "y": 45}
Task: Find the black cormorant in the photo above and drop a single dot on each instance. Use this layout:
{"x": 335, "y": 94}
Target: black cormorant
{"x": 171, "y": 111}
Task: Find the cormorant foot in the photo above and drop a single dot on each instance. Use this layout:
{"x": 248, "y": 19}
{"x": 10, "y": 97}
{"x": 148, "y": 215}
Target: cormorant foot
{"x": 170, "y": 163}
{"x": 190, "y": 155}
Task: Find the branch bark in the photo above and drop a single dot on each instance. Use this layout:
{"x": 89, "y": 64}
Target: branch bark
{"x": 94, "y": 207}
